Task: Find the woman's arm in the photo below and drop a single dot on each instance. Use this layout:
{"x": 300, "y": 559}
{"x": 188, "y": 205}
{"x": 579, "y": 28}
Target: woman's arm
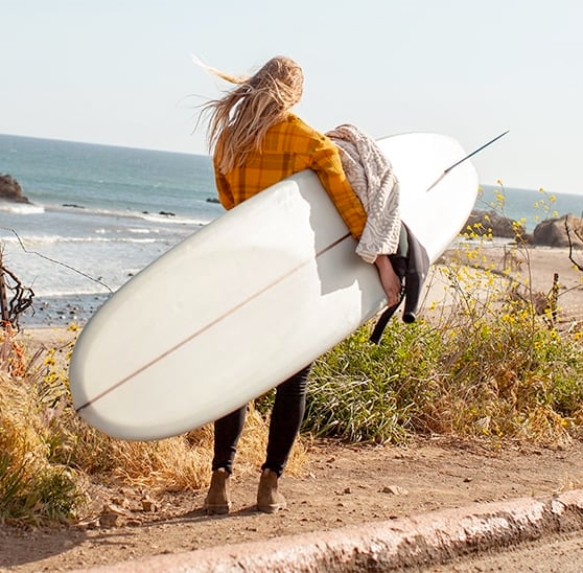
{"x": 389, "y": 279}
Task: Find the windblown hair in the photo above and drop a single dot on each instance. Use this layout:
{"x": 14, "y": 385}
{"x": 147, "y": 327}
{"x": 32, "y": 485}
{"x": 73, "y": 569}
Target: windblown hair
{"x": 239, "y": 120}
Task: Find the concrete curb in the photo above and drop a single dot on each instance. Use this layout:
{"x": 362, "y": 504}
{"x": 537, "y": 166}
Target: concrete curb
{"x": 424, "y": 539}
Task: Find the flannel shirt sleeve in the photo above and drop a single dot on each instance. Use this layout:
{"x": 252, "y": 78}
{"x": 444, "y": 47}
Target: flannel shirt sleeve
{"x": 327, "y": 164}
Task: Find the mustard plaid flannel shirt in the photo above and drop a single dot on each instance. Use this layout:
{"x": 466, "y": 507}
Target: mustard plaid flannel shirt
{"x": 289, "y": 147}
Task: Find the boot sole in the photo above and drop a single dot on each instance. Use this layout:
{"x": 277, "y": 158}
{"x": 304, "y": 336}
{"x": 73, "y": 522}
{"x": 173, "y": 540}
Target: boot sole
{"x": 271, "y": 508}
{"x": 217, "y": 509}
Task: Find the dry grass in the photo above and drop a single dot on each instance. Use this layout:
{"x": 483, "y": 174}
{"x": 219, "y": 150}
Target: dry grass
{"x": 32, "y": 487}
{"x": 48, "y": 453}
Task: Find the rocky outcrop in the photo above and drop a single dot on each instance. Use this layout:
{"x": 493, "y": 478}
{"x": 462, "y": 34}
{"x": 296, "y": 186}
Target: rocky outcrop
{"x": 562, "y": 232}
{"x": 493, "y": 223}
{"x": 10, "y": 190}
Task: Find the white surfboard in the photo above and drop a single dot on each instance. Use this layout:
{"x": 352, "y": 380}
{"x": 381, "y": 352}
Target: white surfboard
{"x": 252, "y": 298}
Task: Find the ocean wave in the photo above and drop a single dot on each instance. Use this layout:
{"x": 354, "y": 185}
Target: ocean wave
{"x": 21, "y": 208}
{"x": 129, "y": 230}
{"x": 165, "y": 217}
{"x": 140, "y": 231}
{"x": 69, "y": 292}
{"x": 34, "y": 240}
{"x": 175, "y": 219}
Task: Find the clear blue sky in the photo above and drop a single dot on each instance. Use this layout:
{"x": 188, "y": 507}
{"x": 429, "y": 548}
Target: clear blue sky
{"x": 119, "y": 72}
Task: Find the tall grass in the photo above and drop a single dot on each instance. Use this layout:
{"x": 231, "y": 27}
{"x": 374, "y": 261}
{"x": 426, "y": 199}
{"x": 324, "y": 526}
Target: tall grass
{"x": 34, "y": 487}
{"x": 366, "y": 392}
{"x": 48, "y": 454}
{"x": 503, "y": 375}
{"x": 494, "y": 363}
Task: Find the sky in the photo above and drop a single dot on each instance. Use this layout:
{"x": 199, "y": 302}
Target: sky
{"x": 120, "y": 72}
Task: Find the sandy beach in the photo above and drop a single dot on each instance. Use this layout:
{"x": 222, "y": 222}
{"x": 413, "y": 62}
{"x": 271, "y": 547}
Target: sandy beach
{"x": 531, "y": 269}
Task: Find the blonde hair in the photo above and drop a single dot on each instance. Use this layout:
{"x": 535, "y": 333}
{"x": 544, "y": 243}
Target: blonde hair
{"x": 239, "y": 120}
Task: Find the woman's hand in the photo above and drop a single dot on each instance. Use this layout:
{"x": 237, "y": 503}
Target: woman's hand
{"x": 389, "y": 279}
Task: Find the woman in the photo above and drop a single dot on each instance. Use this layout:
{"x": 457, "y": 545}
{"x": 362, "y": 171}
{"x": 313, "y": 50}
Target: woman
{"x": 256, "y": 142}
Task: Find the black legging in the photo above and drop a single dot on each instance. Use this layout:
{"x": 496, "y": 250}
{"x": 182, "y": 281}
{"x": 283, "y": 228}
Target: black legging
{"x": 286, "y": 419}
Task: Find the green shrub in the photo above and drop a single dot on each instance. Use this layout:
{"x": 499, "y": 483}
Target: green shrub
{"x": 366, "y": 392}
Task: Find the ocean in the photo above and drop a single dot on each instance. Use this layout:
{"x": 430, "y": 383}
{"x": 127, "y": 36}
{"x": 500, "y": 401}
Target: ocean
{"x": 99, "y": 214}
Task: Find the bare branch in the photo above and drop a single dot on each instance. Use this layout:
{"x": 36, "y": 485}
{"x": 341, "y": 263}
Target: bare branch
{"x": 579, "y": 234}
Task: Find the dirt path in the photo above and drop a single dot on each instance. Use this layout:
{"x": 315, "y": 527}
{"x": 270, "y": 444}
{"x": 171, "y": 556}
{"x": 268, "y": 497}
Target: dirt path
{"x": 548, "y": 555}
{"x": 340, "y": 485}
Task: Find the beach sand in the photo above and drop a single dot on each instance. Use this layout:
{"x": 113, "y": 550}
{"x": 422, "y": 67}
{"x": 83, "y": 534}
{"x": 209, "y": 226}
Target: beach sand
{"x": 532, "y": 270}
